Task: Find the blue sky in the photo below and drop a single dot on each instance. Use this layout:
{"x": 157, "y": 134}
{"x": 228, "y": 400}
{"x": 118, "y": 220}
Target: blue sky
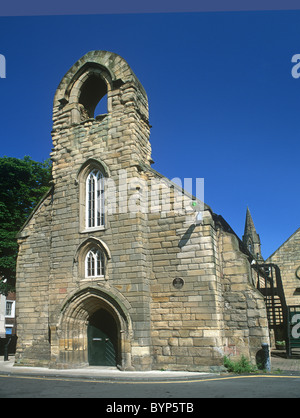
{"x": 223, "y": 103}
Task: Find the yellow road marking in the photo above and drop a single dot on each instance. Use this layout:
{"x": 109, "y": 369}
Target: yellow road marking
{"x": 148, "y": 382}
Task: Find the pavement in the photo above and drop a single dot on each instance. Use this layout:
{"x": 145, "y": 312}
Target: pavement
{"x": 97, "y": 373}
{"x": 280, "y": 364}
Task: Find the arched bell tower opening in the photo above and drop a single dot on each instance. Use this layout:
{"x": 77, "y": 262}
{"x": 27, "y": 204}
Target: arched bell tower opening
{"x": 88, "y": 94}
{"x": 92, "y": 93}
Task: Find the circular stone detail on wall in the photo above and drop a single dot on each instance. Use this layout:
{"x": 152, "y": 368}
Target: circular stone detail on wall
{"x": 178, "y": 282}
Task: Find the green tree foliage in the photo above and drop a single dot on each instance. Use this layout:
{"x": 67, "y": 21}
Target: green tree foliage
{"x": 23, "y": 182}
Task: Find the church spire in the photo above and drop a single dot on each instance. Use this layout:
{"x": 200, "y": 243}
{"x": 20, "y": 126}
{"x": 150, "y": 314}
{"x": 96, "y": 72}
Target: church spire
{"x": 251, "y": 238}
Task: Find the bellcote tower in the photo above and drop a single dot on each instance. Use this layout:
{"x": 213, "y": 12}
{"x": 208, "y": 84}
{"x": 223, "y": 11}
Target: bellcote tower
{"x": 251, "y": 238}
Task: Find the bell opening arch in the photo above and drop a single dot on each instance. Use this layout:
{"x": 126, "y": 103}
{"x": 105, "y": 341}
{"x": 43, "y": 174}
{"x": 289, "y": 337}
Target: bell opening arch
{"x": 89, "y": 91}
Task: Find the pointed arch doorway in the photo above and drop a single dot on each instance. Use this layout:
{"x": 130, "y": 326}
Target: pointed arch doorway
{"x": 103, "y": 341}
{"x": 94, "y": 328}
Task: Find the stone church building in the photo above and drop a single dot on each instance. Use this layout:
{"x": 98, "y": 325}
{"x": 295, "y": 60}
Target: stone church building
{"x": 117, "y": 265}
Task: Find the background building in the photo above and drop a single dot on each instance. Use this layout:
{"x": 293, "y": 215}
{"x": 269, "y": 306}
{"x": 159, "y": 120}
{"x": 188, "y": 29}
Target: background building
{"x": 8, "y": 329}
{"x": 287, "y": 257}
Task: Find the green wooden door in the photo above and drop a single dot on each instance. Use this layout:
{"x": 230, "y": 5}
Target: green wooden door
{"x": 102, "y": 339}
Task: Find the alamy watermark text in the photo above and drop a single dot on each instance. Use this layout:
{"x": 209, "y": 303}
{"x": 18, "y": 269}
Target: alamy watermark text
{"x": 296, "y": 67}
{"x": 2, "y": 66}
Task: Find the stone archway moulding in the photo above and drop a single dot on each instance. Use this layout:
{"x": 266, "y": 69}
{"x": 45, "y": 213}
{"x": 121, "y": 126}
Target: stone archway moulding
{"x": 69, "y": 336}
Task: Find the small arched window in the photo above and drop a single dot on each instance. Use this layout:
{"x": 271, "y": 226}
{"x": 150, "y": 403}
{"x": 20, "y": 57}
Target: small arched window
{"x": 250, "y": 246}
{"x": 91, "y": 259}
{"x": 95, "y": 199}
{"x": 94, "y": 263}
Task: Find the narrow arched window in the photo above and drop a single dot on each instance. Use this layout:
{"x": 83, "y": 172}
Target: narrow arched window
{"x": 250, "y": 246}
{"x": 94, "y": 263}
{"x": 95, "y": 199}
